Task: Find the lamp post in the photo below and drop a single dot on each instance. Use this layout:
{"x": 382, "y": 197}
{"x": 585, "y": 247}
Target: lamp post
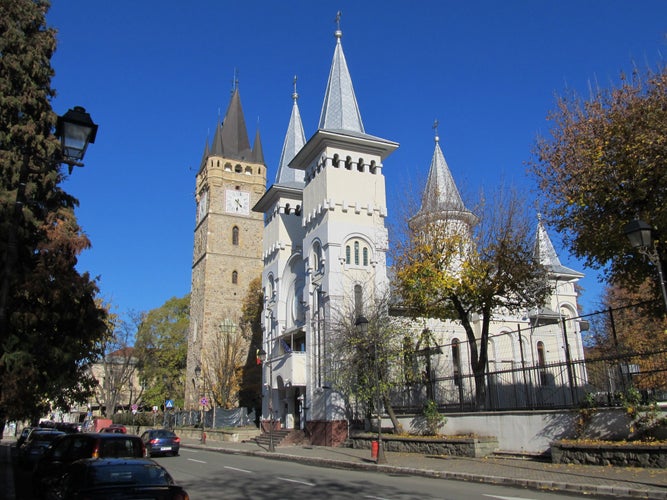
{"x": 202, "y": 401}
{"x": 262, "y": 358}
{"x": 361, "y": 324}
{"x": 76, "y": 130}
{"x": 642, "y": 237}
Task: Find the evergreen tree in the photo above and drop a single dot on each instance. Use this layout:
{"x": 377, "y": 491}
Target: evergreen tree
{"x": 50, "y": 323}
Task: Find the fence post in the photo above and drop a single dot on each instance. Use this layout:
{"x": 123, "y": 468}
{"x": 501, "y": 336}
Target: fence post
{"x": 523, "y": 369}
{"x": 568, "y": 361}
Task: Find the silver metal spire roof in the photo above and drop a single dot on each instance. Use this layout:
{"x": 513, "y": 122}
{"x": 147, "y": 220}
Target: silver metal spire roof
{"x": 545, "y": 253}
{"x": 440, "y": 193}
{"x": 294, "y": 141}
{"x": 340, "y": 110}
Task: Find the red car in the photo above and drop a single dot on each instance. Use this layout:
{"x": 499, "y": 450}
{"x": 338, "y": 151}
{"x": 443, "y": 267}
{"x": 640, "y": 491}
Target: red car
{"x": 115, "y": 428}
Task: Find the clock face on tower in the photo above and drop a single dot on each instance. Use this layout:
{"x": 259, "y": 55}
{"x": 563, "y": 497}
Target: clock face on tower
{"x": 238, "y": 202}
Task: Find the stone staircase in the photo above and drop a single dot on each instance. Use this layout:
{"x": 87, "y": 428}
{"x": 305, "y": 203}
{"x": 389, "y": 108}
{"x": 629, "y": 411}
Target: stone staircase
{"x": 281, "y": 437}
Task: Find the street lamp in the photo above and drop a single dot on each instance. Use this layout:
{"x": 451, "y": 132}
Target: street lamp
{"x": 642, "y": 237}
{"x": 262, "y": 358}
{"x": 361, "y": 324}
{"x": 202, "y": 401}
{"x": 76, "y": 130}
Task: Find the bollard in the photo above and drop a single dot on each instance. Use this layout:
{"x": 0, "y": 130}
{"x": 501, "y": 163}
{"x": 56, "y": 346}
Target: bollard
{"x": 203, "y": 437}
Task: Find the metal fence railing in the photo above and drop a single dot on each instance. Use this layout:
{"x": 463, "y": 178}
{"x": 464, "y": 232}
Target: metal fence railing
{"x": 600, "y": 364}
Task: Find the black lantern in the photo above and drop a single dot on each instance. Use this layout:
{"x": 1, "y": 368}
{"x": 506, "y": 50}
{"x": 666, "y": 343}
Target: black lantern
{"x": 361, "y": 324}
{"x": 76, "y": 130}
{"x": 639, "y": 233}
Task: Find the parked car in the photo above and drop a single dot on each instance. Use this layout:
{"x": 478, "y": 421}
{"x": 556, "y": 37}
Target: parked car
{"x": 35, "y": 444}
{"x": 72, "y": 447}
{"x": 161, "y": 442}
{"x": 117, "y": 428}
{"x": 23, "y": 436}
{"x": 101, "y": 479}
{"x": 112, "y": 430}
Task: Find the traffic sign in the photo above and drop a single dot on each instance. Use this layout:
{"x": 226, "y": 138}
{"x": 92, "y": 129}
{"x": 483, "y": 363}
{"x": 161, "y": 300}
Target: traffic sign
{"x": 204, "y": 401}
{"x": 155, "y": 409}
{"x": 135, "y": 407}
{"x": 169, "y": 403}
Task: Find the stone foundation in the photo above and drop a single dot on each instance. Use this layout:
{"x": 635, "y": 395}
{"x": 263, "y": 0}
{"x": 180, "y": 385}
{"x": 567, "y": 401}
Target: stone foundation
{"x": 626, "y": 455}
{"x": 482, "y": 446}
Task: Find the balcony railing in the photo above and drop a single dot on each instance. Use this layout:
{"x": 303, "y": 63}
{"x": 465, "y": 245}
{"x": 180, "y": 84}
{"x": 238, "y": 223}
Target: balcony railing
{"x": 289, "y": 369}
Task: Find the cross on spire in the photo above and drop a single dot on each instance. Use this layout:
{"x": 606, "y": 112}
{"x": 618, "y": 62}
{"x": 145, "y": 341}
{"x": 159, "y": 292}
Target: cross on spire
{"x": 435, "y": 127}
{"x": 338, "y": 14}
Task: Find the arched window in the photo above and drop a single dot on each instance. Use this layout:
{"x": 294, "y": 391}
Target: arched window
{"x": 542, "y": 362}
{"x": 235, "y": 277}
{"x": 456, "y": 361}
{"x": 238, "y": 169}
{"x": 358, "y": 300}
{"x": 365, "y": 256}
{"x": 348, "y": 253}
{"x": 356, "y": 253}
{"x": 318, "y": 261}
{"x": 235, "y": 235}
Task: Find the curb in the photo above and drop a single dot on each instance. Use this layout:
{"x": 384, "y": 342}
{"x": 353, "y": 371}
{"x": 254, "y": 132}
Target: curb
{"x": 533, "y": 484}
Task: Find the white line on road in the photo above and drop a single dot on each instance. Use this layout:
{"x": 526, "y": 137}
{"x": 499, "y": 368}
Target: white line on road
{"x": 374, "y": 498}
{"x": 198, "y": 461}
{"x": 506, "y": 498}
{"x": 236, "y": 469}
{"x": 295, "y": 481}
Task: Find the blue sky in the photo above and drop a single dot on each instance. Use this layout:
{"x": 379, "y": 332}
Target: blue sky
{"x": 156, "y": 75}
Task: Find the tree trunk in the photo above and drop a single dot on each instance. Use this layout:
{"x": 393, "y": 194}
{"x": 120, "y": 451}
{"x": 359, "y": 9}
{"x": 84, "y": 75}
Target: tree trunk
{"x": 398, "y": 428}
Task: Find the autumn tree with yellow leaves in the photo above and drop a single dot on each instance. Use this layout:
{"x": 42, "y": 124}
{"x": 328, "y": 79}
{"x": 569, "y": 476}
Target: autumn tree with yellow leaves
{"x": 469, "y": 273}
{"x": 603, "y": 165}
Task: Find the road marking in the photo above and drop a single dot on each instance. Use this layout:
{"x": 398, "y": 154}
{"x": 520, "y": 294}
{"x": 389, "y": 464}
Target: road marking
{"x": 374, "y": 498}
{"x": 198, "y": 461}
{"x": 506, "y": 498}
{"x": 238, "y": 470}
{"x": 295, "y": 481}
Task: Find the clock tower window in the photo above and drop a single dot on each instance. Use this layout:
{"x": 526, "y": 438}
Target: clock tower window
{"x": 235, "y": 277}
{"x": 235, "y": 235}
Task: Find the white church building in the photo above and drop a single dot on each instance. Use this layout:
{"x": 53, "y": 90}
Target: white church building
{"x": 325, "y": 244}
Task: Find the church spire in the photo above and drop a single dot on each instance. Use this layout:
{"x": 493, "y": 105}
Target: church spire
{"x": 294, "y": 141}
{"x": 340, "y": 110}
{"x": 545, "y": 253}
{"x": 440, "y": 193}
{"x": 231, "y": 137}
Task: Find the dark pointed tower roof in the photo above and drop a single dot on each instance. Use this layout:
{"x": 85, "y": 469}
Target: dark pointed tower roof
{"x": 206, "y": 154}
{"x": 340, "y": 110}
{"x": 545, "y": 253}
{"x": 257, "y": 150}
{"x": 231, "y": 137}
{"x": 294, "y": 141}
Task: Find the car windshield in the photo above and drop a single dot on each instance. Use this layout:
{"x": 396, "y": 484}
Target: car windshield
{"x": 127, "y": 474}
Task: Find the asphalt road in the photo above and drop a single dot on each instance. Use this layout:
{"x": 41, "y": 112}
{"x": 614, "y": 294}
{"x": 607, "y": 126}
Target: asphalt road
{"x": 211, "y": 475}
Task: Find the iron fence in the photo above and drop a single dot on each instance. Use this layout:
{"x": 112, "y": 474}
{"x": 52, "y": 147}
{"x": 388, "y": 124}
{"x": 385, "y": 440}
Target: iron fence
{"x": 599, "y": 364}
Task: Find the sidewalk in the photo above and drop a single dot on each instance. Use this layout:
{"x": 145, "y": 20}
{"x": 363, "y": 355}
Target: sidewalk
{"x": 618, "y": 482}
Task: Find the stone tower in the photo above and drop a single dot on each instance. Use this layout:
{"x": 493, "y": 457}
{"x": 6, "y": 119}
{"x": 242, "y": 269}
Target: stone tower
{"x": 227, "y": 244}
